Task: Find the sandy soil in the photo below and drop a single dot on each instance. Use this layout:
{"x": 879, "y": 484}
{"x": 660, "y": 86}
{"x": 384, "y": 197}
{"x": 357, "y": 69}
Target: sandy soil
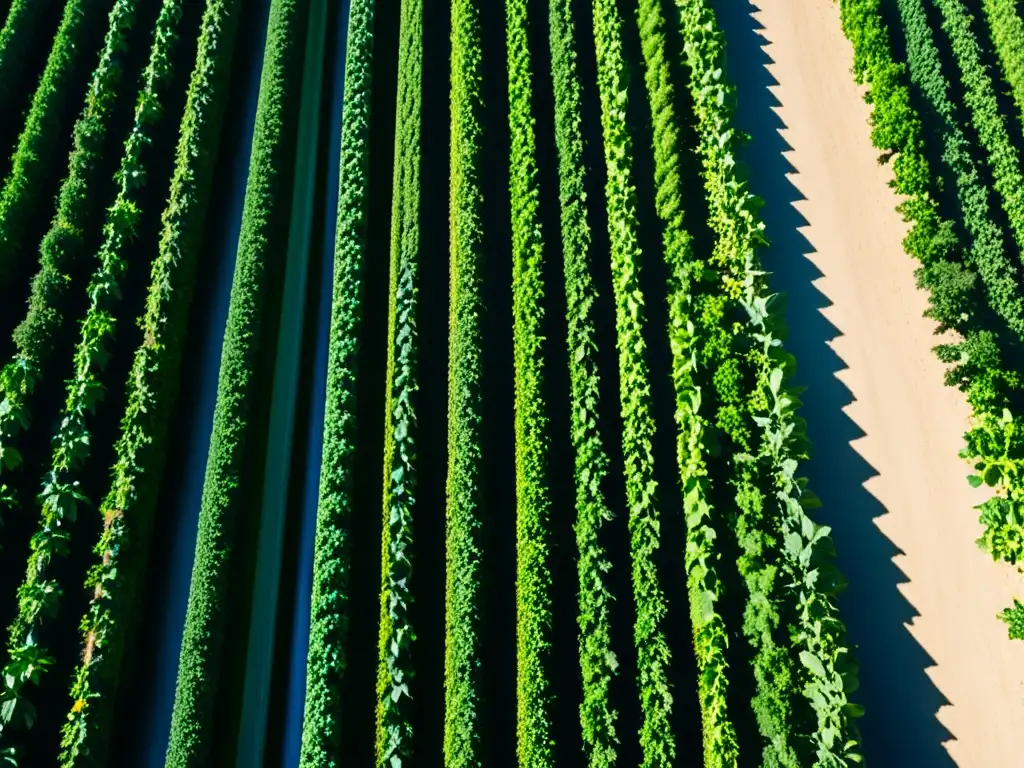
{"x": 941, "y": 681}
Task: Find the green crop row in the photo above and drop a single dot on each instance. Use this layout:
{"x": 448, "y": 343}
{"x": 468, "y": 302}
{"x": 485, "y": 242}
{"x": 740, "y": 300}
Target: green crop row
{"x": 710, "y": 637}
{"x": 462, "y": 693}
{"x": 327, "y": 659}
{"x": 262, "y": 240}
{"x": 395, "y": 668}
{"x": 62, "y": 250}
{"x": 17, "y": 36}
{"x": 653, "y": 656}
{"x": 980, "y": 96}
{"x": 128, "y": 509}
{"x": 757, "y": 413}
{"x": 25, "y": 190}
{"x": 999, "y": 273}
{"x": 977, "y": 363}
{"x": 597, "y": 661}
{"x": 39, "y": 593}
{"x": 533, "y": 501}
{"x": 1007, "y": 28}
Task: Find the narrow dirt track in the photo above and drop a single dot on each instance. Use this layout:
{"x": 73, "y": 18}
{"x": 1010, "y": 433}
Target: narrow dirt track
{"x": 940, "y": 679}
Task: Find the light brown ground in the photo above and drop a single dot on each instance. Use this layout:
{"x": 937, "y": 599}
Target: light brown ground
{"x": 912, "y": 424}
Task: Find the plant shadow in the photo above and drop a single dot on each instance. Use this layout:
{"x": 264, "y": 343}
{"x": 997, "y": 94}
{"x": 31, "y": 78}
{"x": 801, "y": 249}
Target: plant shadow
{"x": 900, "y": 726}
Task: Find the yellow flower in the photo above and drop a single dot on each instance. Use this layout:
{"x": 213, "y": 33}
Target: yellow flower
{"x": 78, "y": 705}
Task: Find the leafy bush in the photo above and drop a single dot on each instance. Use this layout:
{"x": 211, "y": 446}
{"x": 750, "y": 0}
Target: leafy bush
{"x": 597, "y": 661}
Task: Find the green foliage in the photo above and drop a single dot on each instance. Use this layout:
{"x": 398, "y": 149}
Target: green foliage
{"x": 980, "y": 97}
{"x": 38, "y": 596}
{"x": 533, "y": 502}
{"x": 653, "y": 656}
{"x": 17, "y": 36}
{"x": 25, "y": 189}
{"x": 976, "y": 364}
{"x": 262, "y": 240}
{"x": 395, "y": 669}
{"x": 465, "y": 409}
{"x": 62, "y": 249}
{"x": 710, "y": 637}
{"x": 129, "y": 508}
{"x": 1007, "y": 27}
{"x": 326, "y": 659}
{"x": 1014, "y": 618}
{"x": 597, "y": 660}
{"x": 787, "y": 558}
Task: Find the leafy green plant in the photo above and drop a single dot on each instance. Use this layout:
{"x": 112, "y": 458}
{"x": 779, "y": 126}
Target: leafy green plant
{"x": 395, "y": 669}
{"x": 653, "y": 655}
{"x": 17, "y": 35}
{"x": 327, "y": 657}
{"x": 598, "y": 662}
{"x": 38, "y": 596}
{"x": 1014, "y": 619}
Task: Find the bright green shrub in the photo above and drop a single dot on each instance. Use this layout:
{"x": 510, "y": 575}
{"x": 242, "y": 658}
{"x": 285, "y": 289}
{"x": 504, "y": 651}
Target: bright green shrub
{"x": 326, "y": 660}
{"x": 262, "y": 241}
{"x": 597, "y": 661}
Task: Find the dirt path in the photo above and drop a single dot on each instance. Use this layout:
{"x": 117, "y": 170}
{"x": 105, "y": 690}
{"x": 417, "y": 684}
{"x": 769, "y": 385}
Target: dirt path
{"x": 941, "y": 681}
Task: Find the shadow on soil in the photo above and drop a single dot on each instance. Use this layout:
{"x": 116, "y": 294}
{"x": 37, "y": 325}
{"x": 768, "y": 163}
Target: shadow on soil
{"x": 900, "y": 726}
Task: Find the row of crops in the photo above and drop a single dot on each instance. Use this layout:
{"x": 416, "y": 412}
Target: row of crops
{"x": 945, "y": 89}
{"x": 580, "y": 535}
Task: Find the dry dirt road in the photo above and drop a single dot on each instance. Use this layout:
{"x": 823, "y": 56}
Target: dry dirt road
{"x": 942, "y": 683}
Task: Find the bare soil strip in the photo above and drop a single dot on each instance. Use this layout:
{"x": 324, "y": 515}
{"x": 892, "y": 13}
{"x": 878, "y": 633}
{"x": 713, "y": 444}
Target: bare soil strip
{"x": 943, "y": 684}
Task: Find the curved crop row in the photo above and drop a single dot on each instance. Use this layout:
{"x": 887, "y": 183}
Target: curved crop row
{"x": 327, "y": 657}
{"x": 759, "y": 412}
{"x": 1001, "y": 276}
{"x": 597, "y": 661}
{"x": 129, "y": 507}
{"x": 17, "y": 37}
{"x": 465, "y": 409}
{"x": 533, "y": 501}
{"x": 262, "y": 240}
{"x": 1007, "y": 27}
{"x": 25, "y": 187}
{"x": 39, "y": 593}
{"x": 395, "y": 669}
{"x": 653, "y": 656}
{"x": 61, "y": 252}
{"x": 980, "y": 96}
{"x": 710, "y": 636}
